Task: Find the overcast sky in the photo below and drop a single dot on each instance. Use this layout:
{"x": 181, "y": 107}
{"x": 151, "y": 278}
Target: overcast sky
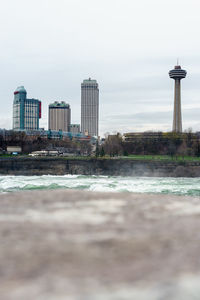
{"x": 128, "y": 46}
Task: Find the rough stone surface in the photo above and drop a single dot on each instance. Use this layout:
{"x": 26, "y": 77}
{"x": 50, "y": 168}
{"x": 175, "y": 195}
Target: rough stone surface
{"x": 83, "y": 245}
{"x": 113, "y": 167}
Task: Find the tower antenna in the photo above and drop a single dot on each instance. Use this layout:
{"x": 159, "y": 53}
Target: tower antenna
{"x": 177, "y": 62}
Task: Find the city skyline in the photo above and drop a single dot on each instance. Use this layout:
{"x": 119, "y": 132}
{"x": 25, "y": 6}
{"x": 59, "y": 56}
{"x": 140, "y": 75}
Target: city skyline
{"x": 128, "y": 48}
{"x": 59, "y": 119}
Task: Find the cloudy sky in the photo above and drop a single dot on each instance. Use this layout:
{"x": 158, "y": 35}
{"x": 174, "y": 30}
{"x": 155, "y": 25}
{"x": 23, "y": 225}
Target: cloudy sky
{"x": 128, "y": 46}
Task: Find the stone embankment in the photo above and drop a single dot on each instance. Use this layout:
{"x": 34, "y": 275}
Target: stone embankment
{"x": 112, "y": 167}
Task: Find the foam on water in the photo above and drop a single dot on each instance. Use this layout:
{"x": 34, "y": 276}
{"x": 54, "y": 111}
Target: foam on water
{"x": 178, "y": 186}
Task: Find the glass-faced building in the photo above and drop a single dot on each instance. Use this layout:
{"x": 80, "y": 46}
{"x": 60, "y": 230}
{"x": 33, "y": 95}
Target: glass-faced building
{"x": 26, "y": 112}
{"x": 90, "y": 107}
{"x": 59, "y": 116}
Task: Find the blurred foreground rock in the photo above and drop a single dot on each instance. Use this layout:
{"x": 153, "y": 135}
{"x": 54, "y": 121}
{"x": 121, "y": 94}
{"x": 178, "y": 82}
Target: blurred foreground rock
{"x": 91, "y": 246}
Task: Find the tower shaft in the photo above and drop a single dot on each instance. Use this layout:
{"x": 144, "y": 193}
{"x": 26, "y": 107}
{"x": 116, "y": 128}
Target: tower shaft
{"x": 177, "y": 119}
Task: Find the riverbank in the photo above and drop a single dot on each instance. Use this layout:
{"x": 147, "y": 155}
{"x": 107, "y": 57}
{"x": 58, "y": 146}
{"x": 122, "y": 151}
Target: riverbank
{"x": 92, "y": 166}
{"x": 99, "y": 246}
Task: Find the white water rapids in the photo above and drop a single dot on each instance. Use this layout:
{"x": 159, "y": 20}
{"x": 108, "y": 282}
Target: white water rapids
{"x": 161, "y": 185}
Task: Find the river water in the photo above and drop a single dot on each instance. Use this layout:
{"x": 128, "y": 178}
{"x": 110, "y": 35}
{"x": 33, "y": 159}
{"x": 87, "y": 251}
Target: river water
{"x": 161, "y": 185}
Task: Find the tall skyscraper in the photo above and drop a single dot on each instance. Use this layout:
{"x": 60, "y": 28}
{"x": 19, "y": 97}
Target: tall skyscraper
{"x": 90, "y": 107}
{"x": 59, "y": 116}
{"x": 177, "y": 74}
{"x": 26, "y": 112}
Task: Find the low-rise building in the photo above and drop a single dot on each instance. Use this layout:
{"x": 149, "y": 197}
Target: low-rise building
{"x": 75, "y": 128}
{"x": 16, "y": 149}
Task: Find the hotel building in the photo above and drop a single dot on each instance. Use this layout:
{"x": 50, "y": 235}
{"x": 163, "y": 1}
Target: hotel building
{"x": 59, "y": 116}
{"x": 26, "y": 112}
{"x": 90, "y": 107}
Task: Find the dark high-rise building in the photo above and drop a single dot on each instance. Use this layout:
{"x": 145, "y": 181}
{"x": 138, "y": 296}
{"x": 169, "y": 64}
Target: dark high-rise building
{"x": 26, "y": 112}
{"x": 90, "y": 107}
{"x": 177, "y": 74}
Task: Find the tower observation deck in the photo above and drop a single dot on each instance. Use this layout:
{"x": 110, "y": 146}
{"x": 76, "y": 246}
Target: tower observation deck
{"x": 177, "y": 74}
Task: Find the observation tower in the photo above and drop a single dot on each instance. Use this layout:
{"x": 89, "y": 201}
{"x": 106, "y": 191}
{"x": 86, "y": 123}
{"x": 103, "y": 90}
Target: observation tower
{"x": 177, "y": 74}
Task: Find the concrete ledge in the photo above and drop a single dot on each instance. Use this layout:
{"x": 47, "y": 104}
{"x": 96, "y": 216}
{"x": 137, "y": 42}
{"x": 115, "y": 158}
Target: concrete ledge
{"x": 83, "y": 245}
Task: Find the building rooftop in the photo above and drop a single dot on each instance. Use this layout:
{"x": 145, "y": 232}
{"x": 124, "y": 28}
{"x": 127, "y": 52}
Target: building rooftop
{"x": 59, "y": 104}
{"x": 89, "y": 80}
{"x": 20, "y": 89}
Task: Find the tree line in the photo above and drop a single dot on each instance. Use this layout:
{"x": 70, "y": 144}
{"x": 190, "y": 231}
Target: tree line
{"x": 161, "y": 143}
{"x": 36, "y": 143}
